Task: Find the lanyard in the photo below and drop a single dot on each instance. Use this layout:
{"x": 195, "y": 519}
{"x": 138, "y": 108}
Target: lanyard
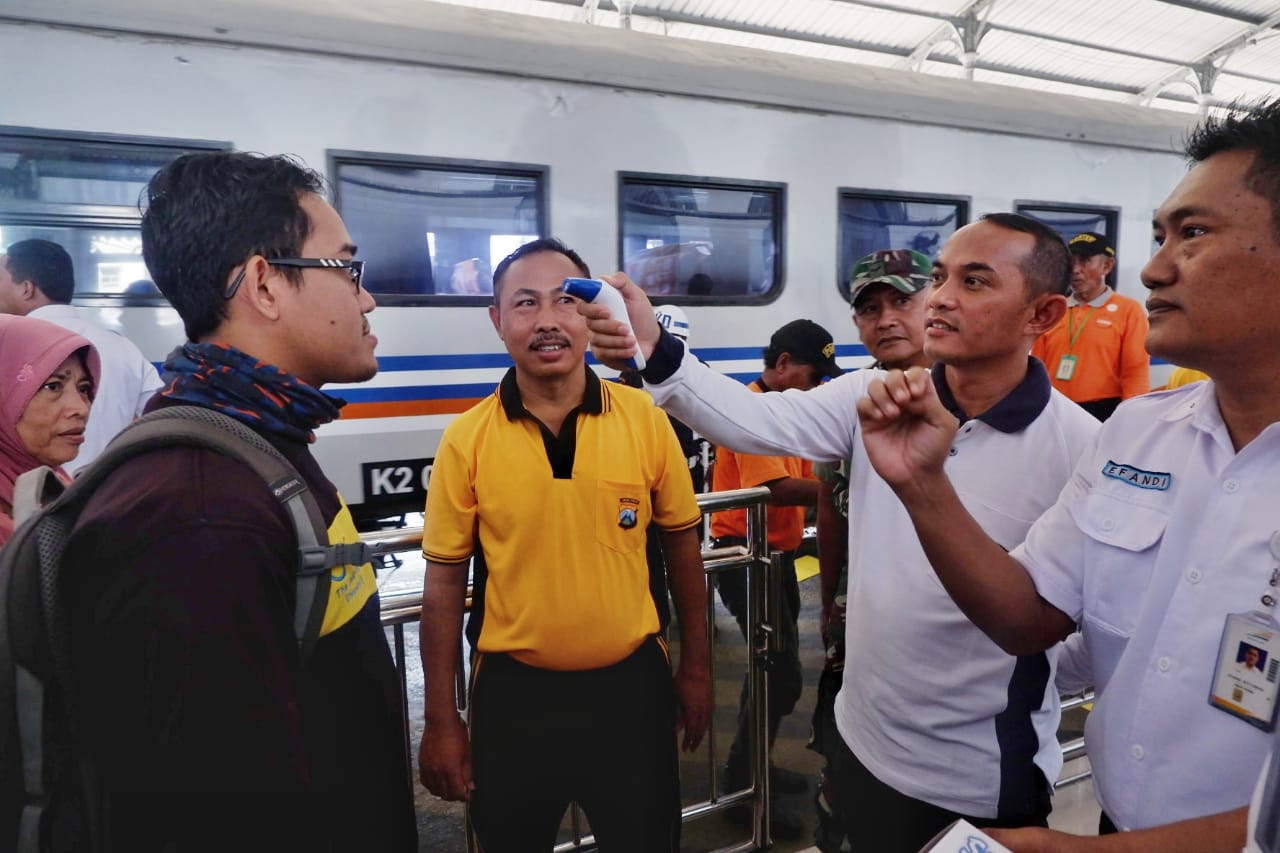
{"x": 1268, "y": 598}
{"x": 1074, "y": 329}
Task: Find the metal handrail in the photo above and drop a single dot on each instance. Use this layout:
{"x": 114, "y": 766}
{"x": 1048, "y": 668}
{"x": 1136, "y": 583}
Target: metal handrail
{"x": 1075, "y": 747}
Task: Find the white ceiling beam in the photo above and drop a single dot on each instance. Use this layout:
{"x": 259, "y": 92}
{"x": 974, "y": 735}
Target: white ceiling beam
{"x": 1216, "y": 11}
{"x": 974, "y": 19}
{"x": 1206, "y": 68}
{"x": 916, "y": 59}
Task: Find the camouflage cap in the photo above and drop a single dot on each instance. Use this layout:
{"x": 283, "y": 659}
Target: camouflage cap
{"x": 902, "y": 269}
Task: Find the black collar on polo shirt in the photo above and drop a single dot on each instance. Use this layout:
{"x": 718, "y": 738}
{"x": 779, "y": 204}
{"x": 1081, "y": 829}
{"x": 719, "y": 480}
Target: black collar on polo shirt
{"x": 1016, "y": 410}
{"x": 560, "y": 449}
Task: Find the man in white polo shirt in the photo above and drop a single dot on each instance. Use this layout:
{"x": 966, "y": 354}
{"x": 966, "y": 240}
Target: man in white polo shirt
{"x": 938, "y": 721}
{"x": 1165, "y": 546}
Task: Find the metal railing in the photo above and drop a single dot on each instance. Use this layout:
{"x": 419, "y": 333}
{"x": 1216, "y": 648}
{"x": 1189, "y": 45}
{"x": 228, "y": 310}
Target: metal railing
{"x": 763, "y": 570}
{"x": 1074, "y": 748}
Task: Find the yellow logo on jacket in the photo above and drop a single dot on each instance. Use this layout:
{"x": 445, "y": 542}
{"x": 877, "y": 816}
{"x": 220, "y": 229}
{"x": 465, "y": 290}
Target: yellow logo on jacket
{"x": 350, "y": 587}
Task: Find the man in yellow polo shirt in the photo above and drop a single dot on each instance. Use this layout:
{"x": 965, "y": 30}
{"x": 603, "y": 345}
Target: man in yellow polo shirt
{"x": 550, "y": 484}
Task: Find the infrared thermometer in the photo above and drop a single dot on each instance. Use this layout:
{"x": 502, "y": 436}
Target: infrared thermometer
{"x": 603, "y": 293}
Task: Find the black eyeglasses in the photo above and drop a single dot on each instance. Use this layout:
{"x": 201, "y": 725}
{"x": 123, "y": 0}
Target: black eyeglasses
{"x": 354, "y": 268}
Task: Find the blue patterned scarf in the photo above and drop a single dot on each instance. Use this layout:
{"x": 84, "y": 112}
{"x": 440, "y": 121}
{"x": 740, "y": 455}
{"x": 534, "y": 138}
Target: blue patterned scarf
{"x": 235, "y": 383}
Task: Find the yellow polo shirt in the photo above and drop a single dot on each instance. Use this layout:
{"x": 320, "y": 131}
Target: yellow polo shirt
{"x": 560, "y": 521}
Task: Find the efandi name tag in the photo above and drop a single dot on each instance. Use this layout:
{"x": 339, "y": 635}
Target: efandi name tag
{"x": 1136, "y": 476}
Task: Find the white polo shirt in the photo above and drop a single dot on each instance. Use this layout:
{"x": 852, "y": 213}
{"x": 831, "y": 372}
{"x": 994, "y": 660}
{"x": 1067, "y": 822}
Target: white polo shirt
{"x": 1162, "y": 532}
{"x": 1262, "y": 834}
{"x": 128, "y": 380}
{"x": 929, "y": 704}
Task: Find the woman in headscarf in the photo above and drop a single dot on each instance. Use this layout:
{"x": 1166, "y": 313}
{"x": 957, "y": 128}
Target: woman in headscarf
{"x": 47, "y": 379}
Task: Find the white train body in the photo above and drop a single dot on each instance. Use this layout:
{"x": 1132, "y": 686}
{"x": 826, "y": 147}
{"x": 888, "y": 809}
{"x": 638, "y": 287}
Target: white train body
{"x": 423, "y": 80}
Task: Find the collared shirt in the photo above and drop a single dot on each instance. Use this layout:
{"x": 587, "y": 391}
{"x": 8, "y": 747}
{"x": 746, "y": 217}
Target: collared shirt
{"x": 560, "y": 521}
{"x": 747, "y": 470}
{"x": 1103, "y": 297}
{"x": 127, "y": 382}
{"x": 1162, "y": 532}
{"x": 929, "y": 704}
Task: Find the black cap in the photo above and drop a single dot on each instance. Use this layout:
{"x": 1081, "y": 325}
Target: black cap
{"x": 1089, "y": 243}
{"x": 807, "y": 342}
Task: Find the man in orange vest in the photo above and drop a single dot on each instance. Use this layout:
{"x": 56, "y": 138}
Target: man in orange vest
{"x": 1095, "y": 355}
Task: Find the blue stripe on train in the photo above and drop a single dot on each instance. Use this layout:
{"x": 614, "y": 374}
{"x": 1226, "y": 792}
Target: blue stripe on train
{"x": 472, "y": 361}
{"x": 394, "y": 363}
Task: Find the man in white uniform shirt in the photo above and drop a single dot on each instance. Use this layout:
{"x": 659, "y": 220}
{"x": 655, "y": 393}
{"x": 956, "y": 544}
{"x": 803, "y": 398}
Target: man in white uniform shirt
{"x": 938, "y": 722}
{"x": 37, "y": 279}
{"x": 1164, "y": 546}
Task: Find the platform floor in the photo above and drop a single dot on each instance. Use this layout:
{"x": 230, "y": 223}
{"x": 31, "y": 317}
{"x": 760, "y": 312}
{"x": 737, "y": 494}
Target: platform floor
{"x": 440, "y": 823}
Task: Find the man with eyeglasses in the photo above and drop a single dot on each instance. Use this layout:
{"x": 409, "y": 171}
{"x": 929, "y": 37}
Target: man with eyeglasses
{"x": 206, "y": 727}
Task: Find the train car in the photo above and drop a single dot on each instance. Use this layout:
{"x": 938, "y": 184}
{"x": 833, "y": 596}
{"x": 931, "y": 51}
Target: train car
{"x": 737, "y": 184}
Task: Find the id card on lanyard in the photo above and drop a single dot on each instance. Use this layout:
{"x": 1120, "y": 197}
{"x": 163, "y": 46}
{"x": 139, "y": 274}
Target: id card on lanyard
{"x": 1248, "y": 672}
{"x": 1247, "y": 677}
{"x": 1067, "y": 363}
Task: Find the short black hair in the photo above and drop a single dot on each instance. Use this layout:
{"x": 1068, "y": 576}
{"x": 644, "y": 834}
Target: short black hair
{"x": 542, "y": 244}
{"x": 206, "y": 214}
{"x": 1254, "y": 129}
{"x": 46, "y": 265}
{"x": 1047, "y": 268}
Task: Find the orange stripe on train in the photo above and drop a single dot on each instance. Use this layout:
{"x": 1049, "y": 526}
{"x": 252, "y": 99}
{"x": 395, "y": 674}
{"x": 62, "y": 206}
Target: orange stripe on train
{"x": 404, "y": 408}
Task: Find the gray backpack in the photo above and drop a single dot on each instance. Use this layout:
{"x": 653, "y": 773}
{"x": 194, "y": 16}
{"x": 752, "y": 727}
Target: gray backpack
{"x": 49, "y": 798}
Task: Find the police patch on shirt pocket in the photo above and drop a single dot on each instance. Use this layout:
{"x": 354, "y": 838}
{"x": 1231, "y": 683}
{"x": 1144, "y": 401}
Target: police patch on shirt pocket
{"x": 622, "y": 515}
{"x": 1117, "y": 570}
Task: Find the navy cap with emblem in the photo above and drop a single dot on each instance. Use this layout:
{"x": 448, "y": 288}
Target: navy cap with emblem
{"x": 1089, "y": 243}
{"x": 809, "y": 343}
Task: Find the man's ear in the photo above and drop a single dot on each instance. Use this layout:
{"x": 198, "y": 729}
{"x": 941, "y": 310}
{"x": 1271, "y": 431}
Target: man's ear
{"x": 495, "y": 317}
{"x": 1047, "y": 310}
{"x": 1110, "y": 265}
{"x": 260, "y": 289}
{"x": 27, "y": 290}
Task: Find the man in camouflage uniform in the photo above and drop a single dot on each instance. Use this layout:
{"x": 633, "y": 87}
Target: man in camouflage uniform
{"x": 885, "y": 297}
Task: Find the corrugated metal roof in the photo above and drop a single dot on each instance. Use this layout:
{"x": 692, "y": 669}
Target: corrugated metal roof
{"x": 1172, "y": 54}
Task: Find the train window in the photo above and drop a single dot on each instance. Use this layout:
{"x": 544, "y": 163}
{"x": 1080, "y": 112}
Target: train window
{"x": 1071, "y": 219}
{"x": 107, "y": 261}
{"x": 432, "y": 230}
{"x": 701, "y": 240}
{"x": 871, "y": 220}
{"x": 81, "y": 191}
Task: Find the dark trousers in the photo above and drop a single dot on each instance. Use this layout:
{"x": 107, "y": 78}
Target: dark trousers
{"x": 881, "y": 819}
{"x": 785, "y": 675}
{"x": 1101, "y": 409}
{"x": 603, "y": 738}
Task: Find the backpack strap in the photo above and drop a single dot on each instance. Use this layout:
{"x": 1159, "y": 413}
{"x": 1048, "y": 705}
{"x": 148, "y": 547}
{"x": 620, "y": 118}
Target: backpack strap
{"x": 188, "y": 426}
{"x": 44, "y": 536}
{"x": 34, "y": 489}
